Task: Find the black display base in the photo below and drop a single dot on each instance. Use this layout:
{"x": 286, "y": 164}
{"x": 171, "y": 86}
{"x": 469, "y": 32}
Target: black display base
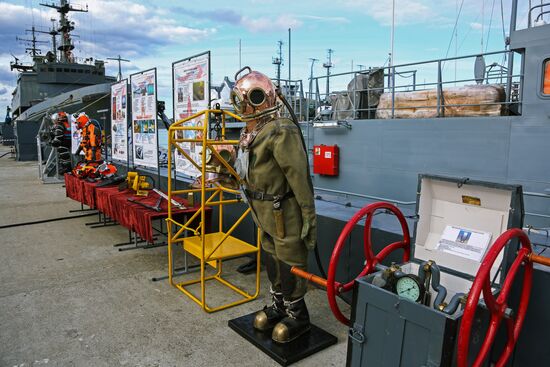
{"x": 307, "y": 344}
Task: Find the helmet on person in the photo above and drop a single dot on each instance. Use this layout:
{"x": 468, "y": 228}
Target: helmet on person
{"x": 61, "y": 116}
{"x": 82, "y": 120}
{"x": 254, "y": 95}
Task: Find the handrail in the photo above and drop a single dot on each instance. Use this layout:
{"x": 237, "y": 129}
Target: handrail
{"x": 494, "y": 74}
{"x": 529, "y": 17}
{"x": 371, "y": 197}
{"x": 416, "y": 63}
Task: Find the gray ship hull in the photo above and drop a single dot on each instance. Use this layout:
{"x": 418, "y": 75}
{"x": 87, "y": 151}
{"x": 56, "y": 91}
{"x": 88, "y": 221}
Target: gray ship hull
{"x": 89, "y": 99}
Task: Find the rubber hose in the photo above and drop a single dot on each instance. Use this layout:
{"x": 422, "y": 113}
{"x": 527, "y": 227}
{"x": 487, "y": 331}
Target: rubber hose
{"x": 46, "y": 220}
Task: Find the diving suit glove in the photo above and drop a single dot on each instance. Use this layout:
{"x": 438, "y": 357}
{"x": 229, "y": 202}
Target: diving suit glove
{"x": 309, "y": 230}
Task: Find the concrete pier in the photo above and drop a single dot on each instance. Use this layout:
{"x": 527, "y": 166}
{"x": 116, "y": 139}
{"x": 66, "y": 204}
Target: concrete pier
{"x": 69, "y": 298}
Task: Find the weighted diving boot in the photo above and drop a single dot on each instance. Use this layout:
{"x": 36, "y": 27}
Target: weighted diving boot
{"x": 269, "y": 317}
{"x": 294, "y": 324}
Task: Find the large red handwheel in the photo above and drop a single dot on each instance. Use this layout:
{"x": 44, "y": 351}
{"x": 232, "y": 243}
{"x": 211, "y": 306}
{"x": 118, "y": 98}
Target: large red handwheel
{"x": 497, "y": 306}
{"x": 334, "y": 288}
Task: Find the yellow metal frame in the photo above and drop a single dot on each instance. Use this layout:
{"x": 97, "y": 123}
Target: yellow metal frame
{"x": 210, "y": 248}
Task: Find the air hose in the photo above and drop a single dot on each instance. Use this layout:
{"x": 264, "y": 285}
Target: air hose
{"x": 46, "y": 220}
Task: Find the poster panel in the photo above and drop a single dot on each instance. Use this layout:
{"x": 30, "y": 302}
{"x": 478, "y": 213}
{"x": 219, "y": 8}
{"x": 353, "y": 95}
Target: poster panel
{"x": 119, "y": 120}
{"x": 191, "y": 94}
{"x": 144, "y": 118}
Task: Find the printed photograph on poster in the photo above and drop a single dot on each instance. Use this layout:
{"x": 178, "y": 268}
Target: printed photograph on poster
{"x": 119, "y": 121}
{"x": 144, "y": 120}
{"x": 191, "y": 84}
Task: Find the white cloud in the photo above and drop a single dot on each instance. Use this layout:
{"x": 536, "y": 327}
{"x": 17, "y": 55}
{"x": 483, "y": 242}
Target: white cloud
{"x": 476, "y": 25}
{"x": 265, "y": 24}
{"x": 325, "y": 19}
{"x": 407, "y": 11}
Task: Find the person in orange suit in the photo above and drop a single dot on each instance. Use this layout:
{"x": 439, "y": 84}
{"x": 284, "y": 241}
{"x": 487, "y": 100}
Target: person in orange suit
{"x": 91, "y": 138}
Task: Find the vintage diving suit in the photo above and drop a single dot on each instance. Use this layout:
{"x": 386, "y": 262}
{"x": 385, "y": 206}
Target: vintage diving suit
{"x": 273, "y": 164}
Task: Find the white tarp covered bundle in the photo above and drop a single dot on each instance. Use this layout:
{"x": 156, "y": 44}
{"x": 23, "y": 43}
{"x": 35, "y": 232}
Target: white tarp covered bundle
{"x": 472, "y": 100}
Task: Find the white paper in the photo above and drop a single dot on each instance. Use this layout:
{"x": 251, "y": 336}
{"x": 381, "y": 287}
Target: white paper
{"x": 191, "y": 95}
{"x": 464, "y": 242}
{"x": 119, "y": 121}
{"x": 76, "y": 137}
{"x": 144, "y": 118}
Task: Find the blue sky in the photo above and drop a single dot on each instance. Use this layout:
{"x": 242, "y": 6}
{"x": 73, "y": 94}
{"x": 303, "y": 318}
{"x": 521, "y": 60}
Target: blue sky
{"x": 156, "y": 33}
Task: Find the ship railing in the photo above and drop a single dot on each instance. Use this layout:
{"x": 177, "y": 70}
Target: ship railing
{"x": 542, "y": 10}
{"x": 405, "y": 78}
{"x": 293, "y": 91}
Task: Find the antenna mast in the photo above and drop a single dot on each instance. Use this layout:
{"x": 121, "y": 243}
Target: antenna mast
{"x": 53, "y": 32}
{"x": 65, "y": 28}
{"x": 119, "y": 59}
{"x": 33, "y": 50}
{"x": 278, "y": 61}
{"x": 328, "y": 65}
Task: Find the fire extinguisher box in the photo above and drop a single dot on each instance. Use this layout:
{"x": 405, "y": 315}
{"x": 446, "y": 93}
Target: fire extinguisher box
{"x": 325, "y": 159}
{"x": 388, "y": 330}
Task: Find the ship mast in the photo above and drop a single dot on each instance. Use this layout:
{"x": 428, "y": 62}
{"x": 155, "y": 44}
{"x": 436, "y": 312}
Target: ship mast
{"x": 33, "y": 50}
{"x": 65, "y": 28}
{"x": 52, "y": 32}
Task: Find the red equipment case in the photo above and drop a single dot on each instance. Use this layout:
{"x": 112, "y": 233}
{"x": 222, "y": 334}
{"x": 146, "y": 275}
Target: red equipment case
{"x": 325, "y": 159}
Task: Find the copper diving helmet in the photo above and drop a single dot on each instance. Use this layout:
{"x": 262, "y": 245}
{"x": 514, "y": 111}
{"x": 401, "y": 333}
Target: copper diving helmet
{"x": 253, "y": 95}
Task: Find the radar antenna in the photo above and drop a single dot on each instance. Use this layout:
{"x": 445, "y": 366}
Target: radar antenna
{"x": 119, "y": 59}
{"x": 65, "y": 28}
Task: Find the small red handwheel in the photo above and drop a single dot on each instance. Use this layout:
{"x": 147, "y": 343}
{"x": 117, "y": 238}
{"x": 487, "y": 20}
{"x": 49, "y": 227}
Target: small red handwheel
{"x": 334, "y": 288}
{"x": 497, "y": 306}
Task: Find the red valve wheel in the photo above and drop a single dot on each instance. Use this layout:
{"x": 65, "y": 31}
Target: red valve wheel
{"x": 334, "y": 288}
{"x": 497, "y": 306}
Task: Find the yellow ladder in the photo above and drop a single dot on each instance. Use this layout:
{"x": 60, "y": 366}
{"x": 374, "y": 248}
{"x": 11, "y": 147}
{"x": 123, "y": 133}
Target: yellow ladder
{"x": 210, "y": 248}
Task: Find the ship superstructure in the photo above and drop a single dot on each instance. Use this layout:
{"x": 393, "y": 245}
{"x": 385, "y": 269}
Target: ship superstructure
{"x": 58, "y": 76}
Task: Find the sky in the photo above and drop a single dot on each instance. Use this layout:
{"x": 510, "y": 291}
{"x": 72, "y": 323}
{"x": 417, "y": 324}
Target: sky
{"x": 156, "y": 33}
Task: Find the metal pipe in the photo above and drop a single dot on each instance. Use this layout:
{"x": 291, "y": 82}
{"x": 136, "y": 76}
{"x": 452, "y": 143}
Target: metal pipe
{"x": 537, "y": 215}
{"x": 543, "y": 260}
{"x": 378, "y": 198}
{"x": 439, "y": 89}
{"x": 309, "y": 277}
{"x": 536, "y": 194}
{"x": 393, "y": 92}
{"x": 332, "y": 75}
{"x": 513, "y": 20}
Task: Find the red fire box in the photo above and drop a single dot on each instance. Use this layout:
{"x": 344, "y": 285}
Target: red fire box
{"x": 325, "y": 160}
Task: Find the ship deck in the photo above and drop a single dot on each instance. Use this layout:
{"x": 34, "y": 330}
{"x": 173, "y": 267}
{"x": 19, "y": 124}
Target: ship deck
{"x": 69, "y": 298}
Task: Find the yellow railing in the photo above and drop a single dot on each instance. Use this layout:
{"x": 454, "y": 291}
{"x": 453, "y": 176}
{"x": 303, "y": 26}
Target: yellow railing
{"x": 214, "y": 247}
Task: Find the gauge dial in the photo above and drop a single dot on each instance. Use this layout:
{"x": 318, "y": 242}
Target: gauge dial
{"x": 410, "y": 287}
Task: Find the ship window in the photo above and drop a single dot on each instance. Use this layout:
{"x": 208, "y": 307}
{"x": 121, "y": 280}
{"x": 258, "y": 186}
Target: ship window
{"x": 546, "y": 80}
{"x": 80, "y": 71}
{"x": 58, "y": 70}
{"x": 50, "y": 69}
{"x": 73, "y": 70}
{"x": 66, "y": 70}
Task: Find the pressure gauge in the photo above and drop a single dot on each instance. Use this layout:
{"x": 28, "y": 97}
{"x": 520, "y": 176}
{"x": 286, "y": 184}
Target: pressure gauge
{"x": 410, "y": 287}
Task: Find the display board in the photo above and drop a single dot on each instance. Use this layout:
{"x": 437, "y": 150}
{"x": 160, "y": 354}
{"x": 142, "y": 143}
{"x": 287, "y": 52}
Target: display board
{"x": 144, "y": 118}
{"x": 191, "y": 94}
{"x": 119, "y": 120}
